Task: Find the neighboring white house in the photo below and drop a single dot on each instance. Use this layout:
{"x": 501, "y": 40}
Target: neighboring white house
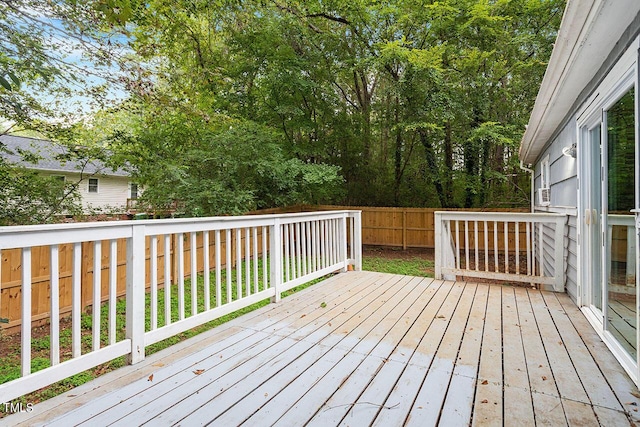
{"x": 582, "y": 142}
{"x": 100, "y": 187}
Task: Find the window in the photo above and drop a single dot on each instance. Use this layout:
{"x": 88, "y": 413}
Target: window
{"x": 93, "y": 185}
{"x": 134, "y": 191}
{"x": 59, "y": 178}
{"x": 544, "y": 173}
{"x": 544, "y": 192}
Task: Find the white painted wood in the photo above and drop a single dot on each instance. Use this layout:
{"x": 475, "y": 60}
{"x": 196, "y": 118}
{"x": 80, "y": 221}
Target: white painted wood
{"x": 517, "y": 225}
{"x": 506, "y": 247}
{"x": 113, "y": 289}
{"x": 322, "y": 245}
{"x": 543, "y": 280}
{"x": 167, "y": 278}
{"x": 153, "y": 271}
{"x": 529, "y": 221}
{"x": 97, "y": 297}
{"x": 265, "y": 279}
{"x": 25, "y": 330}
{"x": 342, "y": 242}
{"x": 298, "y": 258}
{"x": 17, "y": 237}
{"x": 457, "y": 251}
{"x": 218, "y": 269}
{"x": 529, "y": 249}
{"x": 180, "y": 272}
{"x": 255, "y": 260}
{"x": 304, "y": 235}
{"x": 495, "y": 244}
{"x": 14, "y": 389}
{"x": 194, "y": 273}
{"x": 206, "y": 267}
{"x": 286, "y": 259}
{"x": 135, "y": 296}
{"x": 228, "y": 249}
{"x": 330, "y": 243}
{"x": 486, "y": 246}
{"x": 204, "y": 317}
{"x": 275, "y": 251}
{"x": 438, "y": 244}
{"x": 466, "y": 245}
{"x": 238, "y": 233}
{"x": 76, "y": 344}
{"x": 475, "y": 241}
{"x": 247, "y": 260}
{"x": 358, "y": 241}
{"x": 54, "y": 307}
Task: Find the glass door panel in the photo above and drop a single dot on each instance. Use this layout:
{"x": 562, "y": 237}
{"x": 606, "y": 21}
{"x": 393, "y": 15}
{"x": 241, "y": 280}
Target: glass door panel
{"x": 619, "y": 256}
{"x": 594, "y": 215}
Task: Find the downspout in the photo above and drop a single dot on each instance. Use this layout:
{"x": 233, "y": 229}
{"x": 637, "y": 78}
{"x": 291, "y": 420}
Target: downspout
{"x": 531, "y": 171}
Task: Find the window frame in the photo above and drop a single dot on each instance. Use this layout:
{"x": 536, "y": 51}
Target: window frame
{"x": 97, "y": 186}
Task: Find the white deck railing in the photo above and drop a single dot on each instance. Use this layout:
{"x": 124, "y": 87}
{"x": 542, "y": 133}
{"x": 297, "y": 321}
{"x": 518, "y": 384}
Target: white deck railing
{"x": 244, "y": 260}
{"x": 520, "y": 247}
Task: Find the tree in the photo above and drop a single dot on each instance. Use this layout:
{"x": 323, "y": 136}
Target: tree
{"x": 40, "y": 46}
{"x": 418, "y": 103}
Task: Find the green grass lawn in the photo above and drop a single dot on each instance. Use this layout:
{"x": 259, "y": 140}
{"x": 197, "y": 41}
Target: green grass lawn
{"x": 411, "y": 267}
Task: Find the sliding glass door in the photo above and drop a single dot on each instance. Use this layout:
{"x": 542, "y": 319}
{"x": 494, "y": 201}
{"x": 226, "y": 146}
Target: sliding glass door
{"x": 608, "y": 197}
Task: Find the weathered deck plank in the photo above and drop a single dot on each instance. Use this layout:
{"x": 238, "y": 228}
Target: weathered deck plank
{"x": 518, "y": 402}
{"x": 382, "y": 350}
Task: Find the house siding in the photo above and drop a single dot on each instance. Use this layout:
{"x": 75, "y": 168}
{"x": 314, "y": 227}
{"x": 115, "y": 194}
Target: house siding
{"x": 563, "y": 178}
{"x": 113, "y": 191}
{"x": 563, "y": 183}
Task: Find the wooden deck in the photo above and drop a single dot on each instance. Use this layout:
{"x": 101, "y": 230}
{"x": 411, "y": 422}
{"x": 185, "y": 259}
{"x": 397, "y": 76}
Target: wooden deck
{"x": 372, "y": 349}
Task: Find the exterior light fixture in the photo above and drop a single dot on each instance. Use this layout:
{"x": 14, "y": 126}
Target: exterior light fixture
{"x": 570, "y": 151}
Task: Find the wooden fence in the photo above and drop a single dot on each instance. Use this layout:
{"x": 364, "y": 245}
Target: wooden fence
{"x": 401, "y": 227}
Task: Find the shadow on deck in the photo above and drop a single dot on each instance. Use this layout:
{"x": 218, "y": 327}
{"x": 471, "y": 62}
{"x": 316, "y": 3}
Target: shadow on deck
{"x": 366, "y": 348}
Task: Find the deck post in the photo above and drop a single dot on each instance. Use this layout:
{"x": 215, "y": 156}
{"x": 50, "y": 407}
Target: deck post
{"x": 136, "y": 293}
{"x": 438, "y": 245}
{"x": 275, "y": 252}
{"x": 357, "y": 225}
{"x": 344, "y": 256}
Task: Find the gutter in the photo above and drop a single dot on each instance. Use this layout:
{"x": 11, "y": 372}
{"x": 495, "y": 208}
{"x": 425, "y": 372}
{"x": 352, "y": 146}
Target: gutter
{"x": 531, "y": 172}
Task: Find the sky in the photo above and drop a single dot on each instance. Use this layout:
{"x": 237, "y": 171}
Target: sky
{"x": 68, "y": 51}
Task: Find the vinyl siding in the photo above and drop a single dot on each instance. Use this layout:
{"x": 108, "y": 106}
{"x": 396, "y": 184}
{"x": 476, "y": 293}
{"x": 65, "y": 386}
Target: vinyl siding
{"x": 113, "y": 191}
{"x": 563, "y": 183}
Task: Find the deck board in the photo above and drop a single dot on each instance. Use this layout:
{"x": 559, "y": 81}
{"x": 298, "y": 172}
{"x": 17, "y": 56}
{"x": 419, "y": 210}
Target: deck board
{"x": 382, "y": 350}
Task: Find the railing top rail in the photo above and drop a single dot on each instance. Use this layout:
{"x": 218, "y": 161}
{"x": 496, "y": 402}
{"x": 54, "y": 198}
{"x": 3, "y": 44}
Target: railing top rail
{"x": 128, "y": 223}
{"x": 48, "y": 234}
{"x": 501, "y": 216}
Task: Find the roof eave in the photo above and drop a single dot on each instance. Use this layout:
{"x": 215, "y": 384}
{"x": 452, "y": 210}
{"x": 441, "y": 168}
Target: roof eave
{"x": 584, "y": 39}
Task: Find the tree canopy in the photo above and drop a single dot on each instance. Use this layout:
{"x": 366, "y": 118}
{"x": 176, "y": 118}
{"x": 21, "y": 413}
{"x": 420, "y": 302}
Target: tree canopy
{"x": 234, "y": 105}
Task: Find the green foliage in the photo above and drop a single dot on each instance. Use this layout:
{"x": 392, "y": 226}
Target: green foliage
{"x": 31, "y": 198}
{"x": 222, "y": 167}
{"x": 241, "y": 105}
{"x": 416, "y": 104}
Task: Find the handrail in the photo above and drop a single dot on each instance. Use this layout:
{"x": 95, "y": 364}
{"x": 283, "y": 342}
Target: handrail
{"x": 244, "y": 259}
{"x": 519, "y": 247}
